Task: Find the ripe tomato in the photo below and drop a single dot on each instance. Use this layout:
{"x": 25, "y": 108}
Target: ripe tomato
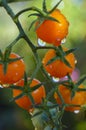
{"x": 15, "y": 71}
{"x": 58, "y": 68}
{"x": 24, "y": 102}
{"x": 53, "y": 32}
{"x": 78, "y": 99}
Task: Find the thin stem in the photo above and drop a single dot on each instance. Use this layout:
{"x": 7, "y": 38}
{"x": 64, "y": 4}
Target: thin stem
{"x": 14, "y": 42}
{"x": 29, "y": 9}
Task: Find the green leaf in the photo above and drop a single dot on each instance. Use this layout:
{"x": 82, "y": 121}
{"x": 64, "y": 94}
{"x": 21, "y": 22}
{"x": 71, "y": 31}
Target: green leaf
{"x": 70, "y": 51}
{"x": 17, "y": 97}
{"x": 53, "y": 59}
{"x": 54, "y": 7}
{"x": 81, "y": 81}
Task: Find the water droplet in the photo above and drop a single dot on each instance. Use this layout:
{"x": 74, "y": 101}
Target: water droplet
{"x": 41, "y": 43}
{"x": 75, "y": 61}
{"x": 55, "y": 79}
{"x": 1, "y": 86}
{"x": 76, "y": 111}
{"x": 63, "y": 41}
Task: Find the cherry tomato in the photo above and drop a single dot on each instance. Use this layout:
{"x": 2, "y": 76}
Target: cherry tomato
{"x": 25, "y": 102}
{"x": 15, "y": 71}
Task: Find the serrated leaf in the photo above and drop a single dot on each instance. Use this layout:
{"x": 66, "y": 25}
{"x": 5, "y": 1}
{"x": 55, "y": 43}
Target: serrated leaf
{"x": 54, "y": 7}
{"x": 17, "y": 97}
{"x": 52, "y": 60}
{"x": 70, "y": 51}
{"x": 81, "y": 81}
{"x": 16, "y": 87}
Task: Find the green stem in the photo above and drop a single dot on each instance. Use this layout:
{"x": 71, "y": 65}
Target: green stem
{"x": 29, "y": 9}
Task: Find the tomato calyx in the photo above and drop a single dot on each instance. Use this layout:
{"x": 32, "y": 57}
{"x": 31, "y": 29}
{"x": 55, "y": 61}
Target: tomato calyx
{"x": 60, "y": 55}
{"x": 43, "y": 14}
{"x": 5, "y": 59}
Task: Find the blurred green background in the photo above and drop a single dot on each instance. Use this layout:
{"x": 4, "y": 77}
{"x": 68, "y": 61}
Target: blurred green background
{"x": 11, "y": 116}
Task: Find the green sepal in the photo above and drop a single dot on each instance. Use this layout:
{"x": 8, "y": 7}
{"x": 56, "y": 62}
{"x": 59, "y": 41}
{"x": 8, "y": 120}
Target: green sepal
{"x": 81, "y": 81}
{"x": 70, "y": 51}
{"x": 32, "y": 23}
{"x": 5, "y": 65}
{"x": 53, "y": 59}
{"x": 40, "y": 21}
{"x": 1, "y": 54}
{"x": 31, "y": 98}
{"x": 16, "y": 87}
{"x": 51, "y": 18}
{"x": 17, "y": 97}
{"x": 10, "y": 60}
{"x": 66, "y": 62}
{"x": 44, "y": 6}
{"x": 54, "y": 7}
{"x": 36, "y": 87}
{"x": 25, "y": 79}
{"x": 34, "y": 14}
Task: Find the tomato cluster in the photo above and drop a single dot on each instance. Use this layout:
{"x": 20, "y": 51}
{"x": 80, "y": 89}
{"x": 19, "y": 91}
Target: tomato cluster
{"x": 58, "y": 62}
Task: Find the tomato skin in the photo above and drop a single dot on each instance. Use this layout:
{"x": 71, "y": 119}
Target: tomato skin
{"x": 53, "y": 32}
{"x": 78, "y": 99}
{"x": 24, "y": 102}
{"x": 58, "y": 68}
{"x": 15, "y": 71}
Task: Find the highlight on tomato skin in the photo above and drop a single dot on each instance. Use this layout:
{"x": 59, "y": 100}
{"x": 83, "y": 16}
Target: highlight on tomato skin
{"x": 58, "y": 68}
{"x": 53, "y": 32}
{"x": 15, "y": 71}
{"x": 78, "y": 99}
{"x": 25, "y": 102}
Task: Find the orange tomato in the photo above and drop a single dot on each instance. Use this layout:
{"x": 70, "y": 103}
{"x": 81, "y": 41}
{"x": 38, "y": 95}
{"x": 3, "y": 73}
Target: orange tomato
{"x": 15, "y": 71}
{"x": 51, "y": 31}
{"x": 58, "y": 68}
{"x": 25, "y": 102}
{"x": 78, "y": 99}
